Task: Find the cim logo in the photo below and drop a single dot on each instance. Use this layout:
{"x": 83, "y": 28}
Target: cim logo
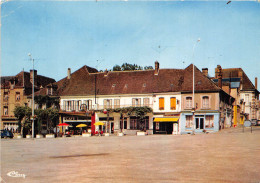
{"x": 15, "y": 174}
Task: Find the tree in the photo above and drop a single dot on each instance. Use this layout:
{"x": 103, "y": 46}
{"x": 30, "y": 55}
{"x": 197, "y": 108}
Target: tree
{"x": 130, "y": 67}
{"x": 45, "y": 99}
{"x": 23, "y": 115}
{"x": 51, "y": 116}
{"x": 116, "y": 68}
{"x": 148, "y": 67}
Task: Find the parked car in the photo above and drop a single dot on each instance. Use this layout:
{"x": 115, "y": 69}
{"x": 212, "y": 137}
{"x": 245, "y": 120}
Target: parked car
{"x": 6, "y": 134}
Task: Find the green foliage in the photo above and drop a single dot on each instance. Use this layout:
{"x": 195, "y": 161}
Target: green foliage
{"x": 23, "y": 114}
{"x": 130, "y": 67}
{"x": 116, "y": 68}
{"x": 139, "y": 112}
{"x": 148, "y": 67}
{"x": 45, "y": 99}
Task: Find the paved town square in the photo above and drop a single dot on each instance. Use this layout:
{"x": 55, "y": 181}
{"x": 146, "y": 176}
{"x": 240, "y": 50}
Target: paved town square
{"x": 226, "y": 156}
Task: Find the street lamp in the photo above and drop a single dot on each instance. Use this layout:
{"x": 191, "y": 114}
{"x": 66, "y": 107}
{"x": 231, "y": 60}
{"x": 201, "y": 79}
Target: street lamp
{"x": 32, "y": 95}
{"x": 193, "y": 89}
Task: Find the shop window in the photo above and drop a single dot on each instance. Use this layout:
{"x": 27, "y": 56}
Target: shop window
{"x": 188, "y": 102}
{"x": 107, "y": 103}
{"x": 117, "y": 103}
{"x": 189, "y": 120}
{"x": 136, "y": 124}
{"x": 205, "y": 102}
{"x": 17, "y": 96}
{"x": 173, "y": 103}
{"x": 161, "y": 103}
{"x": 209, "y": 121}
{"x": 136, "y": 102}
{"x": 146, "y": 101}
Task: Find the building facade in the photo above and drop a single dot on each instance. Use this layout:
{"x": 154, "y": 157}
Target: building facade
{"x": 14, "y": 92}
{"x": 88, "y": 96}
{"x": 235, "y": 82}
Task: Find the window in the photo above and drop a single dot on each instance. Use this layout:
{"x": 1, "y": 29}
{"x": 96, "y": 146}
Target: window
{"x": 68, "y": 105}
{"x": 5, "y": 110}
{"x": 87, "y": 105}
{"x": 107, "y": 103}
{"x": 17, "y": 96}
{"x": 78, "y": 104}
{"x": 161, "y": 103}
{"x": 124, "y": 123}
{"x": 136, "y": 102}
{"x": 209, "y": 121}
{"x": 247, "y": 98}
{"x": 188, "y": 102}
{"x": 173, "y": 103}
{"x": 49, "y": 91}
{"x": 136, "y": 124}
{"x": 146, "y": 101}
{"x": 189, "y": 121}
{"x": 5, "y": 96}
{"x": 205, "y": 102}
{"x": 117, "y": 103}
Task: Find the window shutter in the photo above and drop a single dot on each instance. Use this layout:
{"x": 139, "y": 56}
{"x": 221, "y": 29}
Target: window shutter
{"x": 161, "y": 103}
{"x": 90, "y": 104}
{"x": 105, "y": 103}
{"x": 133, "y": 102}
{"x": 173, "y": 103}
{"x": 64, "y": 105}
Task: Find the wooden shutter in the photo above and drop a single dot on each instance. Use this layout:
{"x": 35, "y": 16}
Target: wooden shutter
{"x": 161, "y": 103}
{"x": 105, "y": 103}
{"x": 173, "y": 103}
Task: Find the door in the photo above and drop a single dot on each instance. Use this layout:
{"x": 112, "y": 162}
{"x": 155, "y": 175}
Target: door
{"x": 199, "y": 123}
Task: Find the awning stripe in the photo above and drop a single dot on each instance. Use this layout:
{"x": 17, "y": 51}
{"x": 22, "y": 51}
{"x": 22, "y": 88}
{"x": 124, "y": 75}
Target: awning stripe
{"x": 166, "y": 119}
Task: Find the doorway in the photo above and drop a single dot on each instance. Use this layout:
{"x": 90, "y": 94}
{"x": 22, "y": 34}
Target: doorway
{"x": 199, "y": 123}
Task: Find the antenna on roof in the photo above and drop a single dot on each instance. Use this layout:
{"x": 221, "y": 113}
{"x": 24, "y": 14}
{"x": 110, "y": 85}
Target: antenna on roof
{"x": 98, "y": 62}
{"x": 160, "y": 49}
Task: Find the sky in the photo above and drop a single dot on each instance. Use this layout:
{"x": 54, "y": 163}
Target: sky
{"x": 101, "y": 34}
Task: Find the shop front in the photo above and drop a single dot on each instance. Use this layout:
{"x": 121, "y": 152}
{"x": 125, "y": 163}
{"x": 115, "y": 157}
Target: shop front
{"x": 165, "y": 125}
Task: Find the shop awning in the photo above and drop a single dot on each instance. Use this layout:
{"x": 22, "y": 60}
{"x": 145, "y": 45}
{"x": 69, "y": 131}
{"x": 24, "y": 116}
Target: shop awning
{"x": 166, "y": 119}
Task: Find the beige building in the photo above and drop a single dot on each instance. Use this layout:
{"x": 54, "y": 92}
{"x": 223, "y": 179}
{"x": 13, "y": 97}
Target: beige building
{"x": 14, "y": 92}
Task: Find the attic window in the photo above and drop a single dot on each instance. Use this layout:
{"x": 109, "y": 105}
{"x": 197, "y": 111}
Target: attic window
{"x": 114, "y": 85}
{"x": 126, "y": 85}
{"x": 199, "y": 82}
{"x": 171, "y": 85}
{"x": 144, "y": 85}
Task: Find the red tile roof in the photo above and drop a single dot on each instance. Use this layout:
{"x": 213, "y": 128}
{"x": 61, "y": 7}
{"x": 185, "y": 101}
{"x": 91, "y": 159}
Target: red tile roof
{"x": 82, "y": 82}
{"x": 22, "y": 79}
{"x": 239, "y": 73}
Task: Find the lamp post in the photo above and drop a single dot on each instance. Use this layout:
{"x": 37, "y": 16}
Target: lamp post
{"x": 193, "y": 84}
{"x": 32, "y": 95}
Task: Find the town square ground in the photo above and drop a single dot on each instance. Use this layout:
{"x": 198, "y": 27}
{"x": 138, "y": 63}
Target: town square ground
{"x": 226, "y": 156}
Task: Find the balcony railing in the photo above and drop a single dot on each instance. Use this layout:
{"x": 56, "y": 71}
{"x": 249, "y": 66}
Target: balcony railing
{"x": 79, "y": 108}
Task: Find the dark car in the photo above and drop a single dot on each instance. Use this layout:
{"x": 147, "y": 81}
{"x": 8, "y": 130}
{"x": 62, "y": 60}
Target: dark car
{"x": 6, "y": 134}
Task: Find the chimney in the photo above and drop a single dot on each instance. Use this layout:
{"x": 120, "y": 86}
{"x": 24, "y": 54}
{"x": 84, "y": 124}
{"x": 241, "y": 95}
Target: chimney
{"x": 218, "y": 73}
{"x": 156, "y": 68}
{"x": 35, "y": 76}
{"x": 106, "y": 72}
{"x": 205, "y": 71}
{"x": 69, "y": 73}
{"x": 255, "y": 82}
